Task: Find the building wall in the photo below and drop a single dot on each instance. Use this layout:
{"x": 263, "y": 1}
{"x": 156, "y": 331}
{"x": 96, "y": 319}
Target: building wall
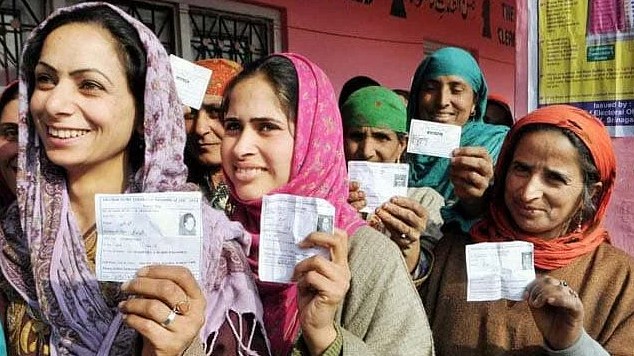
{"x": 355, "y": 37}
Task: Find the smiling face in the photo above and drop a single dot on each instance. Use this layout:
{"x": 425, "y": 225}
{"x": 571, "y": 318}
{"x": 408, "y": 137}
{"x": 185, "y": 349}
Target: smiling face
{"x": 544, "y": 184}
{"x": 373, "y": 144}
{"x": 81, "y": 104}
{"x": 9, "y": 143}
{"x": 446, "y": 99}
{"x": 257, "y": 149}
{"x": 205, "y": 131}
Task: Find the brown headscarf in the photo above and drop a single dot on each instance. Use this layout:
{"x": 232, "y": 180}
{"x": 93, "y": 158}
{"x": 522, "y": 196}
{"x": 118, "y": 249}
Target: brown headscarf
{"x": 559, "y": 252}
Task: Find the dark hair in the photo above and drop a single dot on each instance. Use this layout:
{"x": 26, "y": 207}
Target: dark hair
{"x": 507, "y": 119}
{"x": 9, "y": 94}
{"x": 353, "y": 84}
{"x": 280, "y": 73}
{"x": 402, "y": 92}
{"x": 588, "y": 167}
{"x": 129, "y": 47}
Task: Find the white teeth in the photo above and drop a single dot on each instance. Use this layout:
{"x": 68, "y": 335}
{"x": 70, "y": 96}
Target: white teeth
{"x": 247, "y": 170}
{"x": 66, "y": 133}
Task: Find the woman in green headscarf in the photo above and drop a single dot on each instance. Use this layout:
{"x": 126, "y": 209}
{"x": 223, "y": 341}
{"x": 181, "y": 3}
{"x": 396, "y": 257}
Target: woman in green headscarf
{"x": 374, "y": 121}
{"x": 449, "y": 87}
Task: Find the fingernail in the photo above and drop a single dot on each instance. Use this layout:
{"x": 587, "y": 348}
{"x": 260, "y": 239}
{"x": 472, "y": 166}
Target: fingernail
{"x": 125, "y": 285}
{"x": 121, "y": 304}
{"x": 142, "y": 271}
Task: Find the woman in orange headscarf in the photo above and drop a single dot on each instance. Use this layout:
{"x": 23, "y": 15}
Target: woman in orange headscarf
{"x": 554, "y": 179}
{"x": 205, "y": 131}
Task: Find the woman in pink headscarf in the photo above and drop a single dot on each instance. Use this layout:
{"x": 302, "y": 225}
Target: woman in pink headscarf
{"x": 283, "y": 134}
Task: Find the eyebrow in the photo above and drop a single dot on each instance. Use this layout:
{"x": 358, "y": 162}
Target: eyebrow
{"x": 78, "y": 71}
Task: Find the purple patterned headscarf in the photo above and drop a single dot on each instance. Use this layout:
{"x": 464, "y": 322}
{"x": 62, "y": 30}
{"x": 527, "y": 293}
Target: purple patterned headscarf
{"x": 44, "y": 258}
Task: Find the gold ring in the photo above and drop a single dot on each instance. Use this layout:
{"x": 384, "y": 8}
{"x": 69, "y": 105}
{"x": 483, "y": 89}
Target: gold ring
{"x": 170, "y": 319}
{"x": 182, "y": 307}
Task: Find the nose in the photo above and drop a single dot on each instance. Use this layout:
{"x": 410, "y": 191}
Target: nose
{"x": 367, "y": 149}
{"x": 532, "y": 189}
{"x": 444, "y": 96}
{"x": 59, "y": 101}
{"x": 201, "y": 124}
{"x": 245, "y": 144}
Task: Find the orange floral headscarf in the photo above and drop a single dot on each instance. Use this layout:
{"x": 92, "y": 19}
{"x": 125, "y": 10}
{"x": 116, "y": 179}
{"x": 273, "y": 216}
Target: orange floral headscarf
{"x": 223, "y": 70}
{"x": 559, "y": 252}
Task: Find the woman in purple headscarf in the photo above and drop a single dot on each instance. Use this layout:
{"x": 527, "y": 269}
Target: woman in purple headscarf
{"x": 99, "y": 114}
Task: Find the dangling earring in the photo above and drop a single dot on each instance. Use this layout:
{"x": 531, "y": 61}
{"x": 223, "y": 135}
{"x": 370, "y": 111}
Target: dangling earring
{"x": 579, "y": 222}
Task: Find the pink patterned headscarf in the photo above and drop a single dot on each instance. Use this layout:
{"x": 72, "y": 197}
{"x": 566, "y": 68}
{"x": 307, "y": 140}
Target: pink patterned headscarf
{"x": 44, "y": 258}
{"x": 318, "y": 170}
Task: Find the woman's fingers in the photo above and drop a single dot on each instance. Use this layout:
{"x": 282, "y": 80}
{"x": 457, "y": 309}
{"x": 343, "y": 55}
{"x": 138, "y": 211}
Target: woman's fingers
{"x": 336, "y": 243}
{"x": 177, "y": 274}
{"x": 151, "y": 309}
{"x": 554, "y": 292}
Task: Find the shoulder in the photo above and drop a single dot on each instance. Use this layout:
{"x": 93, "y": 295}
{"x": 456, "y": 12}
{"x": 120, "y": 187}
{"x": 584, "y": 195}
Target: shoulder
{"x": 619, "y": 259}
{"x": 374, "y": 256}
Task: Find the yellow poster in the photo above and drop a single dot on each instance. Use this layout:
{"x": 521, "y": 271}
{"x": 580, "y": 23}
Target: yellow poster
{"x": 586, "y": 59}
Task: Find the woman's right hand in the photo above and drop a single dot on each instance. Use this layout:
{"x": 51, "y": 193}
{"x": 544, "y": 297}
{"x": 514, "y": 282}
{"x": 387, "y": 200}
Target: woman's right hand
{"x": 557, "y": 311}
{"x": 322, "y": 285}
{"x": 356, "y": 196}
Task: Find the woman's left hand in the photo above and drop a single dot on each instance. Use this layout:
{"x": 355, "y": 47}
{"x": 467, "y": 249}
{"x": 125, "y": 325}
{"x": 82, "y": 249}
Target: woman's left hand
{"x": 322, "y": 286}
{"x": 405, "y": 219}
{"x": 471, "y": 172}
{"x": 168, "y": 308}
{"x": 557, "y": 311}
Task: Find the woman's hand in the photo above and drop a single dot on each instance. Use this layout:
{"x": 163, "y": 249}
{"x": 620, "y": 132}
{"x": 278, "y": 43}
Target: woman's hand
{"x": 322, "y": 285}
{"x": 168, "y": 308}
{"x": 356, "y": 196}
{"x": 471, "y": 172}
{"x": 405, "y": 220}
{"x": 557, "y": 311}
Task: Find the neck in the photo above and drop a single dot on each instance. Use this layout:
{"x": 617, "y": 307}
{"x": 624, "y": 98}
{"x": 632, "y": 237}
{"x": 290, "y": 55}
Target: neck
{"x": 84, "y": 183}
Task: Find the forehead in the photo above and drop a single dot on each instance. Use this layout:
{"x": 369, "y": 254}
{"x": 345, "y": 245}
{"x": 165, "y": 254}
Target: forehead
{"x": 256, "y": 97}
{"x": 449, "y": 80}
{"x": 370, "y": 130}
{"x": 80, "y": 46}
{"x": 10, "y": 112}
{"x": 548, "y": 148}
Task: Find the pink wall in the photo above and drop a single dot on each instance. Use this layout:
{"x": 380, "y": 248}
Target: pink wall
{"x": 621, "y": 210}
{"x": 348, "y": 38}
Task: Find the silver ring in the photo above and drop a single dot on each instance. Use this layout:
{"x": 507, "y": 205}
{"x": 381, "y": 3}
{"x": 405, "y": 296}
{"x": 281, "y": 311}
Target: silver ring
{"x": 404, "y": 236}
{"x": 563, "y": 283}
{"x": 170, "y": 319}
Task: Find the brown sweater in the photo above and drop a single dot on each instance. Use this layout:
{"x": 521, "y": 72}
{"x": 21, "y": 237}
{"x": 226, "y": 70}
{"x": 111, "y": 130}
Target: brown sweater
{"x": 604, "y": 280}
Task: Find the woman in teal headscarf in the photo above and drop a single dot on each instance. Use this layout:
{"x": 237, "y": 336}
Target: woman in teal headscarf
{"x": 449, "y": 87}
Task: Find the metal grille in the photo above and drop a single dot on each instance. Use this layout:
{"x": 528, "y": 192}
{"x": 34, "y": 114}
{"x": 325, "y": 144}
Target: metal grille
{"x": 157, "y": 17}
{"x": 17, "y": 20}
{"x": 218, "y": 34}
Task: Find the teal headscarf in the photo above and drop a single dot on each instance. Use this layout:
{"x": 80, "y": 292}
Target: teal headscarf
{"x": 427, "y": 171}
{"x": 375, "y": 107}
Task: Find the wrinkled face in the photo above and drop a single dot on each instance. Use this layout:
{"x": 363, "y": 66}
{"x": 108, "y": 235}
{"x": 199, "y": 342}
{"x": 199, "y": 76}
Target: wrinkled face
{"x": 205, "y": 131}
{"x": 544, "y": 184}
{"x": 81, "y": 104}
{"x": 9, "y": 143}
{"x": 373, "y": 144}
{"x": 446, "y": 99}
{"x": 257, "y": 149}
